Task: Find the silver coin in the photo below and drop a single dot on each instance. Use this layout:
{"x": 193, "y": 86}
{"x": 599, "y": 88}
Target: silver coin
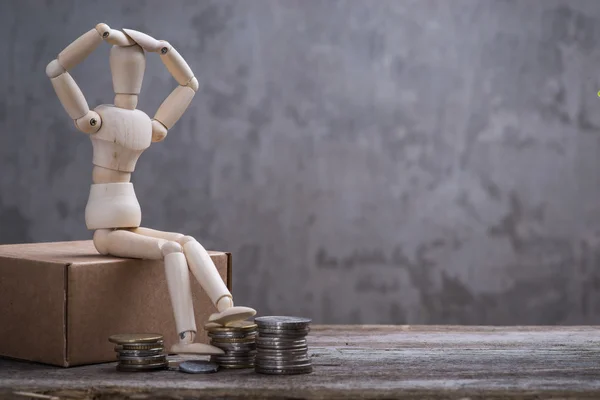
{"x": 282, "y": 348}
{"x": 284, "y": 351}
{"x": 233, "y": 340}
{"x": 271, "y": 341}
{"x": 284, "y": 371}
{"x": 248, "y": 360}
{"x": 198, "y": 367}
{"x": 288, "y": 335}
{"x": 139, "y": 353}
{"x": 237, "y": 366}
{"x": 240, "y": 353}
{"x": 272, "y": 331}
{"x": 173, "y": 365}
{"x": 140, "y": 346}
{"x": 240, "y": 362}
{"x": 142, "y": 367}
{"x": 282, "y": 322}
{"x": 233, "y": 360}
{"x": 235, "y": 357}
{"x": 283, "y": 363}
{"x": 141, "y": 359}
{"x": 278, "y": 339}
{"x": 228, "y": 363}
{"x": 235, "y": 346}
{"x": 237, "y": 362}
{"x": 278, "y": 329}
{"x": 231, "y": 335}
{"x": 282, "y": 358}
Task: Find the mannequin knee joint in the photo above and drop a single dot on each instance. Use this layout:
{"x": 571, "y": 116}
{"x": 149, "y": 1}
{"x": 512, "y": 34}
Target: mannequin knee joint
{"x": 185, "y": 239}
{"x": 171, "y": 247}
{"x": 101, "y": 241}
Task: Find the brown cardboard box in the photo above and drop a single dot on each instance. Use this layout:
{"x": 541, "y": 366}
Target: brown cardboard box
{"x": 59, "y": 302}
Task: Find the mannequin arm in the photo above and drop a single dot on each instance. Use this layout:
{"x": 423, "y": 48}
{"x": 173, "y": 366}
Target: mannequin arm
{"x": 65, "y": 87}
{"x": 173, "y": 107}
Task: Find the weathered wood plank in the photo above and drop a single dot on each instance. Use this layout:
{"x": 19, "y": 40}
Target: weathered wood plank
{"x": 373, "y": 362}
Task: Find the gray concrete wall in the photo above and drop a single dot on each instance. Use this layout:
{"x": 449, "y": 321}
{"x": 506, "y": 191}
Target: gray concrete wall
{"x": 365, "y": 161}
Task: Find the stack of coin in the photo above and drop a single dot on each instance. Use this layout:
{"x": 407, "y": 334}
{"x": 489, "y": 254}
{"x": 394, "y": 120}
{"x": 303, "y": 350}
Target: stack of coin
{"x": 281, "y": 346}
{"x": 140, "y": 352}
{"x": 238, "y": 340}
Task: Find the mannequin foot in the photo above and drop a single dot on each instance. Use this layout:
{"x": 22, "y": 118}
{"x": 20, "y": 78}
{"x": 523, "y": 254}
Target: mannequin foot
{"x": 232, "y": 314}
{"x": 195, "y": 348}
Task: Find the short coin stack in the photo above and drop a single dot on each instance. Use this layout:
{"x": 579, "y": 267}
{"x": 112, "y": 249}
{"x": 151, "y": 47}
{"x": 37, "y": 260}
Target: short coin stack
{"x": 238, "y": 340}
{"x": 140, "y": 352}
{"x": 281, "y": 346}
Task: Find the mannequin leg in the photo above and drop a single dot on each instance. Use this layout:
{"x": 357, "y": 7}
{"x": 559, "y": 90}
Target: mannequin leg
{"x": 205, "y": 272}
{"x": 123, "y": 243}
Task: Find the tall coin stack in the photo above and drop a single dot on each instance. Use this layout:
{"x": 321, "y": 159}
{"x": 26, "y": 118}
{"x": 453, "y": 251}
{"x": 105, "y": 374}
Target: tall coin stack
{"x": 140, "y": 352}
{"x": 281, "y": 346}
{"x": 238, "y": 340}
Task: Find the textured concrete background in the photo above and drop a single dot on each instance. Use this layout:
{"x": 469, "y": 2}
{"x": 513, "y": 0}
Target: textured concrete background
{"x": 365, "y": 161}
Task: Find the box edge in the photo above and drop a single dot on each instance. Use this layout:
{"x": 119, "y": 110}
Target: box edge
{"x": 229, "y": 271}
{"x": 66, "y": 348}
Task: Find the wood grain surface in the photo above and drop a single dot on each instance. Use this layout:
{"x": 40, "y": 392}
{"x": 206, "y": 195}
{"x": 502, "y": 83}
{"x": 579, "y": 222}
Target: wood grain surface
{"x": 366, "y": 362}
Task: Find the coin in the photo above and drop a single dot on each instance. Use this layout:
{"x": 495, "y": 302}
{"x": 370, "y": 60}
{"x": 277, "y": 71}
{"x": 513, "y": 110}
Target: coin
{"x": 142, "y": 367}
{"x": 244, "y": 360}
{"x": 138, "y": 358}
{"x": 282, "y": 322}
{"x": 232, "y": 332}
{"x": 281, "y": 348}
{"x": 135, "y": 338}
{"x": 284, "y": 371}
{"x": 238, "y": 340}
{"x": 282, "y": 358}
{"x": 275, "y": 352}
{"x": 276, "y": 341}
{"x": 235, "y": 360}
{"x": 281, "y": 345}
{"x": 140, "y": 353}
{"x": 141, "y": 346}
{"x": 231, "y": 335}
{"x": 237, "y": 366}
{"x": 280, "y": 328}
{"x": 222, "y": 363}
{"x": 198, "y": 367}
{"x": 299, "y": 331}
{"x": 173, "y": 365}
{"x": 232, "y": 340}
{"x": 235, "y": 346}
{"x": 283, "y": 334}
{"x": 142, "y": 360}
{"x": 273, "y": 329}
{"x": 282, "y": 363}
{"x": 238, "y": 353}
{"x": 241, "y": 326}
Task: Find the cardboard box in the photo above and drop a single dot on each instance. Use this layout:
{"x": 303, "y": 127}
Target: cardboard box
{"x": 59, "y": 302}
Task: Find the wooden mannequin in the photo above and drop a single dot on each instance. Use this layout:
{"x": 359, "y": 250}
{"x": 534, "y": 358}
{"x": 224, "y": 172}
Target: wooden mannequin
{"x": 119, "y": 135}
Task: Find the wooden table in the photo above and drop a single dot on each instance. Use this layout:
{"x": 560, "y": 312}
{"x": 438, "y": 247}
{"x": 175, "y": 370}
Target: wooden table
{"x": 365, "y": 362}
